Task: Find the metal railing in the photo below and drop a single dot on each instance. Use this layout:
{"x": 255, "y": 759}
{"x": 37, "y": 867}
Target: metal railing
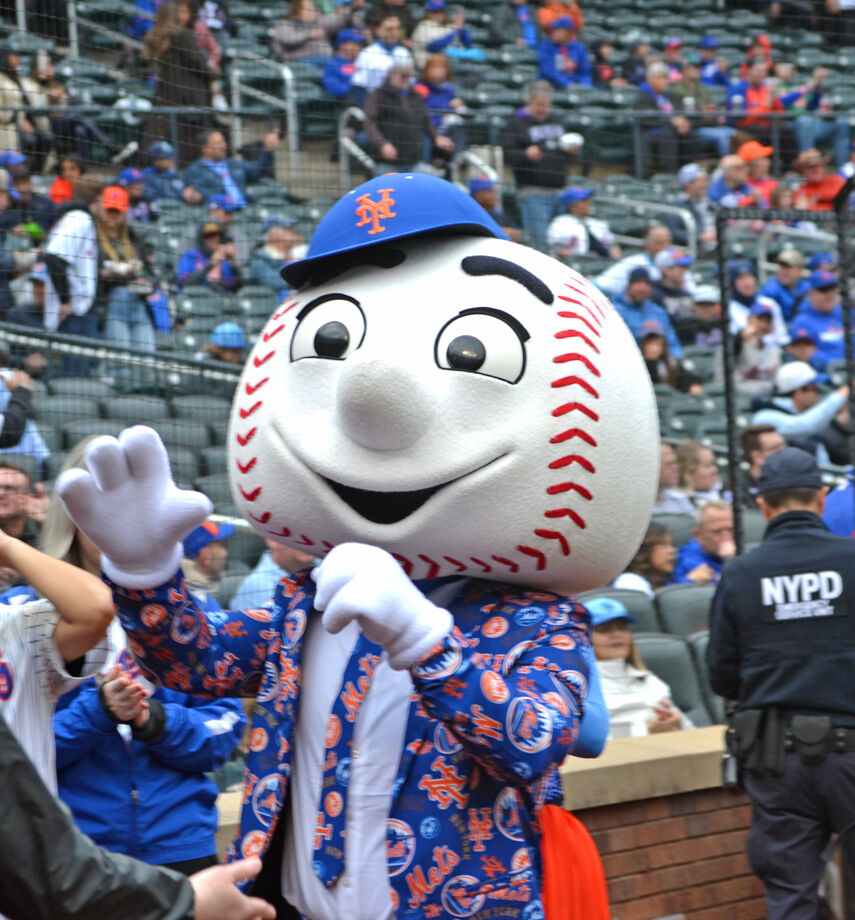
{"x": 656, "y": 207}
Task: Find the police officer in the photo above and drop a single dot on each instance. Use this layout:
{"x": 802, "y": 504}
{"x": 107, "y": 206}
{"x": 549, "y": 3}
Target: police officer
{"x": 782, "y": 645}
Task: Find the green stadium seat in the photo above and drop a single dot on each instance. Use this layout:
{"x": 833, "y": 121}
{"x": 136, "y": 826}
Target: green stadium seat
{"x": 80, "y": 428}
{"x": 669, "y": 658}
{"x": 684, "y": 609}
{"x": 57, "y": 410}
{"x": 679, "y": 526}
{"x": 204, "y": 408}
{"x": 217, "y": 488}
{"x": 83, "y": 387}
{"x": 213, "y": 460}
{"x": 246, "y": 546}
{"x": 185, "y": 466}
{"x": 185, "y": 433}
{"x": 715, "y": 704}
{"x": 136, "y": 410}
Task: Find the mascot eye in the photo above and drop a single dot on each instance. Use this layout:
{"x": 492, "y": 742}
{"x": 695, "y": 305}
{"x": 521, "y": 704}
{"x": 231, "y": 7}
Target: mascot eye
{"x": 331, "y": 327}
{"x": 483, "y": 341}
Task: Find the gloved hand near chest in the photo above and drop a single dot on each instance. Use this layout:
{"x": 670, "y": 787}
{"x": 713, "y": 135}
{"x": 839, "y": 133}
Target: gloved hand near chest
{"x": 366, "y": 584}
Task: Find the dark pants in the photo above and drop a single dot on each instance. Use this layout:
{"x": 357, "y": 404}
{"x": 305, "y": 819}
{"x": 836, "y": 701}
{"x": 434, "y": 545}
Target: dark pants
{"x": 794, "y": 816}
{"x": 191, "y": 866}
{"x": 671, "y": 150}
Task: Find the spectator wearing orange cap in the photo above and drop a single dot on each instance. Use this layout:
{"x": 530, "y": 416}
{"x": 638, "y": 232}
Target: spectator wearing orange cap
{"x": 555, "y": 9}
{"x": 819, "y": 188}
{"x": 757, "y": 157}
{"x": 124, "y": 274}
{"x": 760, "y": 47}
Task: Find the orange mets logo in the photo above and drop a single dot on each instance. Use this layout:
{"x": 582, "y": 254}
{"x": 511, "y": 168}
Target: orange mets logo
{"x": 372, "y": 212}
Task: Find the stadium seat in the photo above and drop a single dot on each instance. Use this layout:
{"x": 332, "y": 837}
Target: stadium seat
{"x": 201, "y": 407}
{"x": 53, "y": 465}
{"x": 637, "y": 603}
{"x": 83, "y": 387}
{"x": 57, "y": 410}
{"x": 684, "y": 609}
{"x": 669, "y": 658}
{"x": 189, "y": 433}
{"x": 228, "y": 586}
{"x": 136, "y": 410}
{"x": 218, "y": 489}
{"x": 712, "y": 431}
{"x": 698, "y": 644}
{"x": 80, "y": 428}
{"x": 185, "y": 466}
{"x": 753, "y": 526}
{"x": 213, "y": 460}
{"x": 680, "y": 526}
{"x": 245, "y": 545}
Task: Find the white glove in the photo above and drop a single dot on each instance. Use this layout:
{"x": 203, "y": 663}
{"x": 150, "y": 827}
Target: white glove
{"x": 364, "y": 583}
{"x": 130, "y": 508}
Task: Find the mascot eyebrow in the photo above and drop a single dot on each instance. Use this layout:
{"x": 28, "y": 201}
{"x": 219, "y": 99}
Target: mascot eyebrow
{"x": 490, "y": 265}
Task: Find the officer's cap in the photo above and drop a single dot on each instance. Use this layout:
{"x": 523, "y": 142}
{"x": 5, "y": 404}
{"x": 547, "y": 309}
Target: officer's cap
{"x": 789, "y": 468}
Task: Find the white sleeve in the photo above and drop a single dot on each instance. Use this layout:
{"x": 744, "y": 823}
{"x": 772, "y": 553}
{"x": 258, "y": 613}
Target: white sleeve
{"x": 67, "y": 235}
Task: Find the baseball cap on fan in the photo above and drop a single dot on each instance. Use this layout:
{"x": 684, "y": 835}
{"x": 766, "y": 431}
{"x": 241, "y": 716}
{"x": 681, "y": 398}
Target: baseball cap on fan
{"x": 606, "y": 609}
{"x": 793, "y": 376}
{"x": 204, "y": 535}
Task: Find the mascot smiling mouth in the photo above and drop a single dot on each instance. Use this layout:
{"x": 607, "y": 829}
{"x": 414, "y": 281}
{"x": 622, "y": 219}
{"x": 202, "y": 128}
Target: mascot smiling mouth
{"x": 391, "y": 507}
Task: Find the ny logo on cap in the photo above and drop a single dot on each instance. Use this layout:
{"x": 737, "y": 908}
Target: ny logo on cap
{"x": 372, "y": 212}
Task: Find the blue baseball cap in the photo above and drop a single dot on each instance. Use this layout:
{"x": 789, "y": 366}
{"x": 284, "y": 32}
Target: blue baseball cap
{"x": 128, "y": 177}
{"x": 434, "y": 5}
{"x": 350, "y": 35}
{"x": 39, "y": 272}
{"x": 651, "y": 327}
{"x": 760, "y": 309}
{"x": 228, "y": 335}
{"x": 741, "y": 267}
{"x": 606, "y": 609}
{"x": 480, "y": 184}
{"x": 204, "y": 535}
{"x": 224, "y": 202}
{"x": 819, "y": 259}
{"x": 161, "y": 150}
{"x": 10, "y": 158}
{"x": 563, "y": 22}
{"x": 671, "y": 257}
{"x": 576, "y": 193}
{"x": 277, "y": 220}
{"x": 789, "y": 468}
{"x": 823, "y": 279}
{"x": 708, "y": 42}
{"x": 395, "y": 206}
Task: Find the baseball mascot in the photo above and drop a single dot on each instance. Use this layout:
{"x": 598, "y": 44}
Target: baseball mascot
{"x": 463, "y": 429}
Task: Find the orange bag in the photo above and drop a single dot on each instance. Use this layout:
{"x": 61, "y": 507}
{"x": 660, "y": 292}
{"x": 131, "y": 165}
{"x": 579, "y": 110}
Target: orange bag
{"x": 574, "y": 884}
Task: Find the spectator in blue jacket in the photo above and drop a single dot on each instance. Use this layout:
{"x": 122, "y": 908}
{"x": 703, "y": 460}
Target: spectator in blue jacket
{"x": 340, "y": 70}
{"x": 787, "y": 287}
{"x": 821, "y": 315}
{"x": 636, "y": 308}
{"x": 160, "y": 179}
{"x": 281, "y": 238}
{"x": 212, "y": 262}
{"x": 132, "y": 759}
{"x": 216, "y": 173}
{"x": 713, "y": 68}
{"x": 561, "y": 58}
{"x": 703, "y": 557}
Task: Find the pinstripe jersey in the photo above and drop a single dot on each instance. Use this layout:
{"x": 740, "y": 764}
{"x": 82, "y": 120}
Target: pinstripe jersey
{"x": 33, "y": 677}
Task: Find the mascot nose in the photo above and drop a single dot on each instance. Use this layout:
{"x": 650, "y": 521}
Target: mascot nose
{"x": 381, "y": 405}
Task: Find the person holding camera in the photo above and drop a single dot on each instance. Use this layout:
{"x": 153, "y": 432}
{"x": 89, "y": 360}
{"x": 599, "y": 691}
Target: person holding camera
{"x": 782, "y": 647}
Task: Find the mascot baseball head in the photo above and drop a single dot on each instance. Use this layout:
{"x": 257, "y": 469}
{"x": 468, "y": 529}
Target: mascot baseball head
{"x": 468, "y": 404}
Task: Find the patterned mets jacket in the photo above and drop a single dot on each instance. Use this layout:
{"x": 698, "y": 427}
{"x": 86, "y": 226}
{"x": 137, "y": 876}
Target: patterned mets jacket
{"x": 494, "y": 710}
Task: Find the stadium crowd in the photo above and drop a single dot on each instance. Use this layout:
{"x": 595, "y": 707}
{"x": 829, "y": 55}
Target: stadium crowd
{"x": 83, "y": 253}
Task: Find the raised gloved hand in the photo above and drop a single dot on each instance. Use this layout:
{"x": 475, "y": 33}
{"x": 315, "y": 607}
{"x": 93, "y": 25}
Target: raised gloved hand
{"x": 129, "y": 507}
{"x": 364, "y": 583}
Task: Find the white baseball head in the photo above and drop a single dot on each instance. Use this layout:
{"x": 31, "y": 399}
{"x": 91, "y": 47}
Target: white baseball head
{"x": 468, "y": 404}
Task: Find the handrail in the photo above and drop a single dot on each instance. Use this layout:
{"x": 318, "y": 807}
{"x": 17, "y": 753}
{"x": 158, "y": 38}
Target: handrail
{"x": 772, "y": 230}
{"x": 347, "y": 147}
{"x": 660, "y": 208}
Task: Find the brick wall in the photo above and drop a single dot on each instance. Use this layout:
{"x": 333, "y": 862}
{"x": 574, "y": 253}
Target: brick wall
{"x": 679, "y": 854}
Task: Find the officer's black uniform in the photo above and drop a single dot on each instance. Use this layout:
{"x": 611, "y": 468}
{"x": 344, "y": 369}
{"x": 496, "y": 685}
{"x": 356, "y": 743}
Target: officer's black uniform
{"x": 782, "y": 644}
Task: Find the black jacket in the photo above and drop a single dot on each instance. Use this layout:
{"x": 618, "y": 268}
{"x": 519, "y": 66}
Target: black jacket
{"x": 51, "y": 871}
{"x": 550, "y": 171}
{"x": 400, "y": 119}
{"x": 782, "y": 626}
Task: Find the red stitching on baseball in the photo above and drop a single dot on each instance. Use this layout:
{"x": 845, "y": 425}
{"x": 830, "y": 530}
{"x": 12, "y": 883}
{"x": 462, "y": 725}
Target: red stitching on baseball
{"x": 246, "y": 467}
{"x": 262, "y": 519}
{"x": 584, "y": 304}
{"x": 250, "y": 496}
{"x": 305, "y": 541}
{"x": 590, "y": 298}
{"x": 326, "y": 545}
{"x": 573, "y": 356}
{"x": 536, "y": 554}
{"x": 569, "y": 487}
{"x": 511, "y": 565}
{"x": 252, "y": 387}
{"x": 572, "y": 433}
{"x": 280, "y": 313}
{"x": 244, "y": 439}
{"x": 554, "y": 535}
{"x": 434, "y": 566}
{"x": 405, "y": 563}
{"x": 259, "y": 361}
{"x": 269, "y": 335}
{"x": 566, "y": 512}
{"x": 569, "y": 314}
{"x": 575, "y": 407}
{"x": 572, "y": 458}
{"x": 280, "y": 533}
{"x": 576, "y": 334}
{"x": 456, "y": 562}
{"x": 245, "y": 413}
{"x": 575, "y": 382}
{"x": 484, "y": 566}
